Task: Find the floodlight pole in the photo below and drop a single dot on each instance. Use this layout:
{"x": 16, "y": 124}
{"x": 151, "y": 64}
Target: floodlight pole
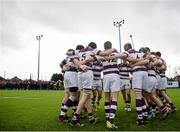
{"x": 132, "y": 41}
{"x": 118, "y": 24}
{"x": 39, "y": 39}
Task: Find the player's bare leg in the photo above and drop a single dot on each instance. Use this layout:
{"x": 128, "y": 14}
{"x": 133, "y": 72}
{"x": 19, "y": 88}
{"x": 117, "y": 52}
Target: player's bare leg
{"x": 157, "y": 101}
{"x": 159, "y": 94}
{"x": 70, "y": 102}
{"x": 91, "y": 118}
{"x": 78, "y": 98}
{"x": 85, "y": 100}
{"x": 82, "y": 102}
{"x": 66, "y": 96}
{"x": 154, "y": 105}
{"x": 168, "y": 100}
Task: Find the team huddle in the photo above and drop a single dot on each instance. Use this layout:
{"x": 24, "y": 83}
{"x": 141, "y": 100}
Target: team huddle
{"x": 142, "y": 70}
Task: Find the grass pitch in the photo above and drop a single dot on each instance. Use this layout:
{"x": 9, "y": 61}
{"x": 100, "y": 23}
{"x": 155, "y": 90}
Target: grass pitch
{"x": 39, "y": 110}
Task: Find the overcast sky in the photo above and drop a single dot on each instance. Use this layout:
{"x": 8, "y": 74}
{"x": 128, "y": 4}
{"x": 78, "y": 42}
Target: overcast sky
{"x": 66, "y": 23}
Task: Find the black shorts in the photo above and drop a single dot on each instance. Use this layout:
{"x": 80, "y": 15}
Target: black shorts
{"x": 73, "y": 89}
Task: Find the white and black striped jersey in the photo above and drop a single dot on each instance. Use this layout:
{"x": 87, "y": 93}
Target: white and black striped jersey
{"x": 69, "y": 61}
{"x": 136, "y": 54}
{"x": 110, "y": 66}
{"x": 84, "y": 53}
{"x": 124, "y": 70}
{"x": 97, "y": 68}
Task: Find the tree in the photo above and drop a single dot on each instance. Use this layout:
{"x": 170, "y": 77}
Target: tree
{"x": 55, "y": 77}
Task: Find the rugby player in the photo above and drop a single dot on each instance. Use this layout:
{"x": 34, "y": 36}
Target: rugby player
{"x": 70, "y": 84}
{"x": 97, "y": 84}
{"x": 111, "y": 84}
{"x": 124, "y": 72}
{"x": 162, "y": 81}
{"x": 148, "y": 90}
{"x": 85, "y": 80}
{"x": 139, "y": 82}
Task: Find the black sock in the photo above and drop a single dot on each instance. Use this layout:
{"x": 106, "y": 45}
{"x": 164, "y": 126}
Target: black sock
{"x": 107, "y": 109}
{"x": 90, "y": 116}
{"x": 139, "y": 109}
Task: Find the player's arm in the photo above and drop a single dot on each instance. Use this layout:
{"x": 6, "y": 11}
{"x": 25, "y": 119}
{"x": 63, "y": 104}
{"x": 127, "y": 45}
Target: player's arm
{"x": 77, "y": 62}
{"x": 162, "y": 68}
{"x": 62, "y": 63}
{"x": 122, "y": 56}
{"x": 134, "y": 60}
{"x": 100, "y": 58}
{"x": 117, "y": 56}
{"x": 107, "y": 58}
{"x": 140, "y": 63}
{"x": 154, "y": 62}
{"x": 106, "y": 52}
{"x": 88, "y": 59}
{"x": 64, "y": 66}
{"x": 93, "y": 58}
{"x": 80, "y": 65}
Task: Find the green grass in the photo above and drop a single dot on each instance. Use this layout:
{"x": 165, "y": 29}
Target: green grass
{"x": 38, "y": 110}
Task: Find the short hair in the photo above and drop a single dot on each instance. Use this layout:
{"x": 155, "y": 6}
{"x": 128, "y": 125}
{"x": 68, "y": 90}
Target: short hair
{"x": 92, "y": 45}
{"x": 107, "y": 45}
{"x": 153, "y": 53}
{"x": 147, "y": 49}
{"x": 142, "y": 49}
{"x": 69, "y": 50}
{"x": 127, "y": 46}
{"x": 79, "y": 47}
{"x": 158, "y": 53}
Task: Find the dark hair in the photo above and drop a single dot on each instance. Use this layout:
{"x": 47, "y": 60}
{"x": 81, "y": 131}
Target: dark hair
{"x": 107, "y": 45}
{"x": 153, "y": 53}
{"x": 127, "y": 46}
{"x": 142, "y": 49}
{"x": 70, "y": 50}
{"x": 158, "y": 53}
{"x": 92, "y": 45}
{"x": 147, "y": 49}
{"x": 79, "y": 47}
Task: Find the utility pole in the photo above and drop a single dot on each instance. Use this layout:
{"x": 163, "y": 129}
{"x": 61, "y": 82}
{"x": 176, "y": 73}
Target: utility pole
{"x": 118, "y": 24}
{"x": 132, "y": 41}
{"x": 39, "y": 40}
